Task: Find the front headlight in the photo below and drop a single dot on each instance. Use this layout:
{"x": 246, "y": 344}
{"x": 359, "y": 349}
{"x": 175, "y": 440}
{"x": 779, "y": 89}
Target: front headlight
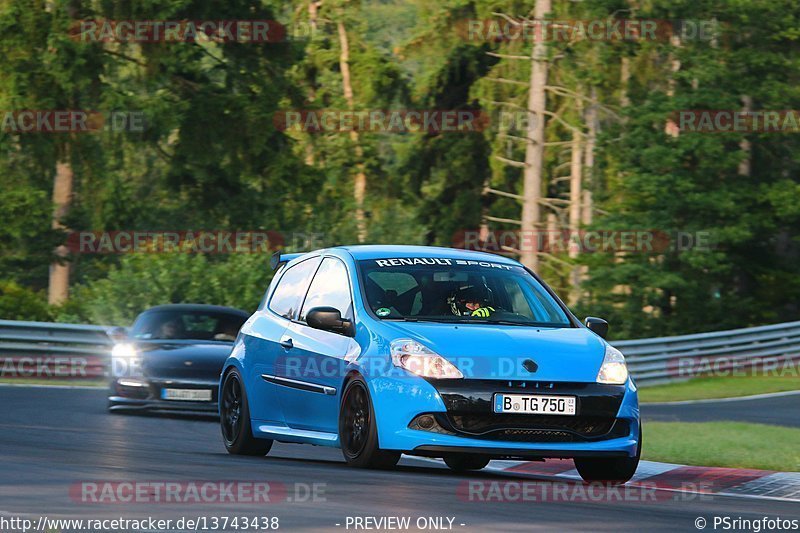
{"x": 613, "y": 371}
{"x": 420, "y": 360}
{"x": 124, "y": 351}
{"x": 125, "y": 361}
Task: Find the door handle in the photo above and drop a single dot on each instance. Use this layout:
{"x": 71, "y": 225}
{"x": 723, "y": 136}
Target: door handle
{"x": 287, "y": 343}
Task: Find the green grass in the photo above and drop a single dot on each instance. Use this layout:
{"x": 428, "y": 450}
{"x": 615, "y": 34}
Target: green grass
{"x": 55, "y": 381}
{"x": 719, "y": 387}
{"x": 730, "y": 444}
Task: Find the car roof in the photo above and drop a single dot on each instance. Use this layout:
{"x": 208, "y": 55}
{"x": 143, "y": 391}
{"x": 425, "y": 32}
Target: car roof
{"x": 197, "y": 307}
{"x": 385, "y": 251}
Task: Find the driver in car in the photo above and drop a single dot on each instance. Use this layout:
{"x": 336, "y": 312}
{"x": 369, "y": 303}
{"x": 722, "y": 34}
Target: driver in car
{"x": 170, "y": 330}
{"x": 471, "y": 300}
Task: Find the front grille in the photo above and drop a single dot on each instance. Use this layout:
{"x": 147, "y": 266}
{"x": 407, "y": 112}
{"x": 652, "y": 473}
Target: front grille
{"x": 135, "y": 393}
{"x": 469, "y": 411}
{"x": 533, "y": 435}
{"x": 533, "y": 428}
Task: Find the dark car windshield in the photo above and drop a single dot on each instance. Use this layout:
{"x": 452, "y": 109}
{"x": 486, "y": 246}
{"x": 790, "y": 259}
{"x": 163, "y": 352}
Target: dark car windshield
{"x": 182, "y": 324}
{"x": 456, "y": 290}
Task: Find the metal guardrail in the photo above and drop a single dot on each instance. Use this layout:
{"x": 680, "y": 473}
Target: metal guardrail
{"x": 763, "y": 349}
{"x": 42, "y": 349}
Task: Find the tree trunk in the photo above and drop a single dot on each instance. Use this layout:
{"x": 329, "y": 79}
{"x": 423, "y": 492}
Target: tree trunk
{"x": 575, "y": 189}
{"x": 575, "y": 199}
{"x": 58, "y": 290}
{"x": 745, "y": 165}
{"x": 313, "y": 10}
{"x": 360, "y": 182}
{"x": 588, "y": 159}
{"x": 671, "y": 128}
{"x": 586, "y": 204}
{"x": 534, "y": 149}
{"x": 624, "y": 78}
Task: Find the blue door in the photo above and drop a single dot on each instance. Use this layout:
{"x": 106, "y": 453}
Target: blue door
{"x": 263, "y": 335}
{"x": 312, "y": 370}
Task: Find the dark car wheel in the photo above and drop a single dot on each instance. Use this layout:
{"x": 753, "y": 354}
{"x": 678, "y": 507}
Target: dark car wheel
{"x": 464, "y": 463}
{"x": 609, "y": 470}
{"x": 358, "y": 433}
{"x": 235, "y": 419}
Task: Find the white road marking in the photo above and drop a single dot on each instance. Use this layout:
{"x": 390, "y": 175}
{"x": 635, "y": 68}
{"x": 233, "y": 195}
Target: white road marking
{"x": 735, "y": 399}
{"x": 42, "y": 386}
{"x": 646, "y": 470}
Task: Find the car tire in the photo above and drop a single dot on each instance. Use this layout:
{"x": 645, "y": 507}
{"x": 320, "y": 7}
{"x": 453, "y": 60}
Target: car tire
{"x": 465, "y": 463}
{"x": 358, "y": 432}
{"x": 234, "y": 414}
{"x": 609, "y": 470}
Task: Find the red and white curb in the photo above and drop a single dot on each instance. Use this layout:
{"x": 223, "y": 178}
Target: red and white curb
{"x": 748, "y": 483}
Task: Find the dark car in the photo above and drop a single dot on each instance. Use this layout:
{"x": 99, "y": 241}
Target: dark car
{"x": 172, "y": 357}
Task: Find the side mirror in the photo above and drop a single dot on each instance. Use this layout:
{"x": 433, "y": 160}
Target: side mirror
{"x": 329, "y": 319}
{"x": 117, "y": 334}
{"x": 597, "y": 325}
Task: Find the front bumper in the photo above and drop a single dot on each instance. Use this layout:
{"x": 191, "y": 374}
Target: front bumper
{"x": 147, "y": 396}
{"x": 606, "y": 423}
{"x": 513, "y": 453}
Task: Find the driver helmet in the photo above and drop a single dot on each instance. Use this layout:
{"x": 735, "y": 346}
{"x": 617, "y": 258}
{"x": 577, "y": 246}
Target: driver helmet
{"x": 468, "y": 294}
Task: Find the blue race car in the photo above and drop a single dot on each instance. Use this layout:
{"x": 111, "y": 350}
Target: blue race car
{"x": 467, "y": 356}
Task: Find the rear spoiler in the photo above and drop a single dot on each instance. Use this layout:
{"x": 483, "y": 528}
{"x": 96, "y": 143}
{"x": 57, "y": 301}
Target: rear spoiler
{"x": 278, "y": 259}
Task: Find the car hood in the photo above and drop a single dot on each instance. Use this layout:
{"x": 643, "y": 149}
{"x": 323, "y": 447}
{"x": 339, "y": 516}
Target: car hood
{"x": 183, "y": 359}
{"x": 483, "y": 351}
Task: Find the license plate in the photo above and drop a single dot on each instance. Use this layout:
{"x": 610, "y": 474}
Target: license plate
{"x": 534, "y": 404}
{"x": 190, "y": 395}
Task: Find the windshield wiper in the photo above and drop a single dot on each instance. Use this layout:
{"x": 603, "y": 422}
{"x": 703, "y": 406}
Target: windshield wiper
{"x": 439, "y": 320}
{"x": 500, "y": 322}
{"x": 471, "y": 320}
{"x": 414, "y": 319}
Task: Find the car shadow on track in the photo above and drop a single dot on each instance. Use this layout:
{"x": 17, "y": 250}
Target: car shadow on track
{"x": 175, "y": 415}
{"x": 429, "y": 468}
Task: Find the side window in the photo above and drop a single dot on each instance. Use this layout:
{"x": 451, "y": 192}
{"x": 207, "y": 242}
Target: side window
{"x": 292, "y": 287}
{"x": 399, "y": 291}
{"x": 399, "y": 282}
{"x": 330, "y": 288}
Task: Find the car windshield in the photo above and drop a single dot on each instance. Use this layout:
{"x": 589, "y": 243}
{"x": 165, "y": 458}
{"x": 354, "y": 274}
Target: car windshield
{"x": 457, "y": 290}
{"x": 187, "y": 325}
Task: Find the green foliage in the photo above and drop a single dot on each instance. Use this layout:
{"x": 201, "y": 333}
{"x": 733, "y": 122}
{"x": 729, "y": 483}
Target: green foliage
{"x": 144, "y": 280}
{"x": 212, "y": 158}
{"x": 692, "y": 184}
{"x": 21, "y": 303}
{"x": 726, "y": 444}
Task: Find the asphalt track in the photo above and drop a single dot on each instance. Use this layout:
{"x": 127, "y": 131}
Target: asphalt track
{"x": 52, "y": 440}
{"x": 779, "y": 410}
